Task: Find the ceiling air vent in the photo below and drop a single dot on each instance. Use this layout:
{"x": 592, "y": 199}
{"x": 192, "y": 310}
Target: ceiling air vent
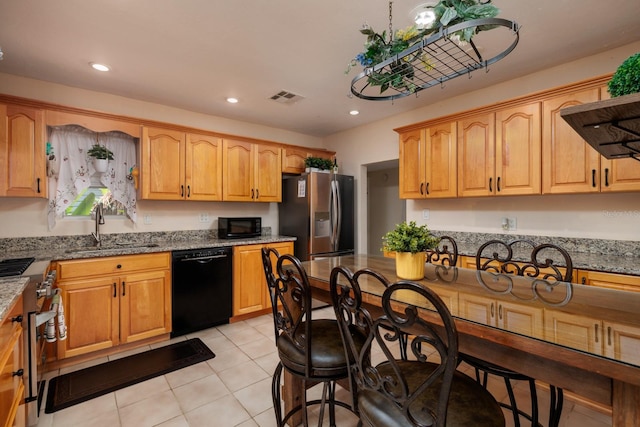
{"x": 285, "y": 97}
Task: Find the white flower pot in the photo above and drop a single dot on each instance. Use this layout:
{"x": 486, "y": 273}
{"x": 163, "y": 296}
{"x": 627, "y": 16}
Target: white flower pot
{"x": 100, "y": 165}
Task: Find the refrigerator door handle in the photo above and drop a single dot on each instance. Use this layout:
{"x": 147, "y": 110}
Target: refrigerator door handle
{"x": 336, "y": 215}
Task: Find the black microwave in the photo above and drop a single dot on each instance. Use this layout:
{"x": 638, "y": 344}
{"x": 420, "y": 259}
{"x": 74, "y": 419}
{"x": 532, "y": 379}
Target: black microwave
{"x": 238, "y": 228}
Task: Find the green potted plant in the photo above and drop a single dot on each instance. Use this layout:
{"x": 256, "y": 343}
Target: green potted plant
{"x": 101, "y": 156}
{"x": 410, "y": 242}
{"x": 626, "y": 79}
{"x": 314, "y": 164}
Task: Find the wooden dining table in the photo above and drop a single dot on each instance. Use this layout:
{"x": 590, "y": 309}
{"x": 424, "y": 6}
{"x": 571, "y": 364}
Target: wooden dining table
{"x": 581, "y": 338}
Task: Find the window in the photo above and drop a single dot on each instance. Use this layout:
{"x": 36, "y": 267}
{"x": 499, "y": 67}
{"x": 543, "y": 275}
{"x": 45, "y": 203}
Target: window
{"x": 88, "y": 198}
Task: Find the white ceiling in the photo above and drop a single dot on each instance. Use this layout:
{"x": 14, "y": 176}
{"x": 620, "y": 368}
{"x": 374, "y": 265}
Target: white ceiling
{"x": 192, "y": 54}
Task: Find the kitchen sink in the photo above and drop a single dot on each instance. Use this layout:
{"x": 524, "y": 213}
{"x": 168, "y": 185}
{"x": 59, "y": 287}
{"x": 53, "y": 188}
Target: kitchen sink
{"x": 111, "y": 249}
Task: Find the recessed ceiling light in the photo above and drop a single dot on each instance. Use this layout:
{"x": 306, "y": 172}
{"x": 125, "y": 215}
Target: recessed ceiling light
{"x": 354, "y": 112}
{"x": 232, "y": 100}
{"x": 99, "y": 67}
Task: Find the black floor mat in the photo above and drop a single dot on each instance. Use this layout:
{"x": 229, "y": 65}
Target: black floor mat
{"x": 79, "y": 386}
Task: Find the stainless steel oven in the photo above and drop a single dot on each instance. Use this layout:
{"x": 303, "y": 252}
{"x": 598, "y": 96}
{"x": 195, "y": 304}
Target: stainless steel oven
{"x": 35, "y": 294}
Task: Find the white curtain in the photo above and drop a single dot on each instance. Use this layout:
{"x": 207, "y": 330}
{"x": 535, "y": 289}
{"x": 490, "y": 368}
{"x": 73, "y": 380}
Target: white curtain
{"x": 69, "y": 144}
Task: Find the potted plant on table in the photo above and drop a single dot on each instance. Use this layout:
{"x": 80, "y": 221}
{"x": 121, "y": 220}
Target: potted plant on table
{"x": 410, "y": 242}
{"x": 101, "y": 156}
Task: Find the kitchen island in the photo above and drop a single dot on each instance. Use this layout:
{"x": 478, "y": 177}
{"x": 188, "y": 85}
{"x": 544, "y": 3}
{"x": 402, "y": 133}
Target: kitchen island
{"x": 584, "y": 339}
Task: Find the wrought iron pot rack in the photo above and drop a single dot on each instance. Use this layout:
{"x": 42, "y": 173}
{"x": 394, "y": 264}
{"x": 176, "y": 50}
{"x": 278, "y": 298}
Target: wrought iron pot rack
{"x": 447, "y": 59}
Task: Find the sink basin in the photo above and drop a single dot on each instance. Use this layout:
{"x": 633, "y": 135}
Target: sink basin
{"x": 112, "y": 249}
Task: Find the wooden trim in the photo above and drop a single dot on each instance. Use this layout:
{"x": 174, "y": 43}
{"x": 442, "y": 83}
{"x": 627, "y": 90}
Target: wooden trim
{"x": 524, "y": 99}
{"x": 251, "y": 315}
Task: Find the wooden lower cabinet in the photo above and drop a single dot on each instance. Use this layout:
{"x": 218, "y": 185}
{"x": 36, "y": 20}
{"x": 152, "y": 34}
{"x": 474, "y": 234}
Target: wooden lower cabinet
{"x": 105, "y": 310}
{"x": 12, "y": 411}
{"x": 250, "y": 294}
{"x": 609, "y": 280}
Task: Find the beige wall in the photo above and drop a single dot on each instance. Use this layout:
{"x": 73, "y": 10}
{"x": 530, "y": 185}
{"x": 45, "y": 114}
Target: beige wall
{"x": 603, "y": 216}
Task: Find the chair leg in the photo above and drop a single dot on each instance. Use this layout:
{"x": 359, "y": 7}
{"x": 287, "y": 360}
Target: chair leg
{"x": 323, "y": 402}
{"x": 534, "y": 402}
{"x": 512, "y": 402}
{"x": 557, "y": 400}
{"x": 332, "y": 403}
{"x": 275, "y": 394}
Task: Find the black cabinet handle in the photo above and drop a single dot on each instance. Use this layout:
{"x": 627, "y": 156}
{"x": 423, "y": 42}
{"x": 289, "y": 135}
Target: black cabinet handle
{"x": 182, "y": 191}
{"x": 38, "y": 183}
{"x": 188, "y": 191}
{"x": 427, "y": 188}
{"x": 257, "y": 194}
{"x": 490, "y": 182}
{"x": 124, "y": 288}
{"x": 421, "y": 187}
{"x": 498, "y": 184}
{"x": 584, "y": 280}
{"x": 606, "y": 177}
{"x": 17, "y": 318}
{"x": 593, "y": 178}
{"x": 115, "y": 290}
{"x": 18, "y": 373}
{"x": 252, "y": 194}
{"x": 119, "y": 266}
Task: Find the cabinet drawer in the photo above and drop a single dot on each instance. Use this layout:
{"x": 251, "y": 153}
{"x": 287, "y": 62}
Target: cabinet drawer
{"x": 11, "y": 386}
{"x": 112, "y": 265}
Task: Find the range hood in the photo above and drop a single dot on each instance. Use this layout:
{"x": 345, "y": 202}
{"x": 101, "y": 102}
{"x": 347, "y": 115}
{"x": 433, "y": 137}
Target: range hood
{"x": 611, "y": 126}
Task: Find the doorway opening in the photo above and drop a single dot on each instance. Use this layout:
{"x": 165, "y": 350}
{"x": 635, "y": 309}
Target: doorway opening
{"x": 385, "y": 209}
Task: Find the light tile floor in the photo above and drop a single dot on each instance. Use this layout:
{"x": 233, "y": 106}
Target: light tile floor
{"x": 232, "y": 389}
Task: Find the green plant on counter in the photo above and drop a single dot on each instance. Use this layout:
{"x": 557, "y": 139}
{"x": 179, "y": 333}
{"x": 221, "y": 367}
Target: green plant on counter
{"x": 626, "y": 79}
{"x": 318, "y": 162}
{"x": 100, "y": 152}
{"x": 409, "y": 237}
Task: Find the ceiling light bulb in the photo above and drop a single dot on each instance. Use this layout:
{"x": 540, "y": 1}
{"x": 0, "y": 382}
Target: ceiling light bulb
{"x": 99, "y": 67}
{"x": 232, "y": 100}
{"x": 354, "y": 112}
{"x": 424, "y": 15}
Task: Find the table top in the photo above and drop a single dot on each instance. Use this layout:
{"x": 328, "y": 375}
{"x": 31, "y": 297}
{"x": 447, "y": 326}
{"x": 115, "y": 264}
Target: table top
{"x": 588, "y": 320}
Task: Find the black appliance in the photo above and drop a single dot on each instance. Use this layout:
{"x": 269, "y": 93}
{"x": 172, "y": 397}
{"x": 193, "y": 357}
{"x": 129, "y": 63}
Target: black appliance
{"x": 201, "y": 289}
{"x": 318, "y": 209}
{"x": 239, "y": 228}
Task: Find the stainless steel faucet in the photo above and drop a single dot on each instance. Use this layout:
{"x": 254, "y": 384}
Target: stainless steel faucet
{"x": 99, "y": 219}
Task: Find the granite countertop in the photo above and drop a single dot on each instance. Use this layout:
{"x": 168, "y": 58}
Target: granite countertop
{"x": 10, "y": 290}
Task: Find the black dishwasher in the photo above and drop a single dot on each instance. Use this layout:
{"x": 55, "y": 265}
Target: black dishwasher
{"x": 201, "y": 289}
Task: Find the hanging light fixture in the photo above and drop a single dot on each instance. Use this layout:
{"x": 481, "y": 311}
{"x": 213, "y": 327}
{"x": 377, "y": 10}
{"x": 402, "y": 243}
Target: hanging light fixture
{"x": 422, "y": 57}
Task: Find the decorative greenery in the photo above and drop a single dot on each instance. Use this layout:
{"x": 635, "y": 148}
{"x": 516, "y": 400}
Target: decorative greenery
{"x": 100, "y": 152}
{"x": 378, "y": 48}
{"x": 318, "y": 162}
{"x": 626, "y": 79}
{"x": 409, "y": 237}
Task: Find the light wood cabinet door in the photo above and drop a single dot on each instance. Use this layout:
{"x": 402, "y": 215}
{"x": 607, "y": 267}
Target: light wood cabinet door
{"x": 250, "y": 293}
{"x": 574, "y": 331}
{"x": 518, "y": 318}
{"x": 609, "y": 280}
{"x": 569, "y": 164}
{"x": 518, "y": 150}
{"x": 476, "y": 156}
{"x": 12, "y": 413}
{"x": 203, "y": 168}
{"x": 237, "y": 169}
{"x": 293, "y": 158}
{"x": 622, "y": 342}
{"x": 22, "y": 152}
{"x": 92, "y": 313}
{"x": 163, "y": 164}
{"x": 145, "y": 305}
{"x": 412, "y": 164}
{"x": 268, "y": 174}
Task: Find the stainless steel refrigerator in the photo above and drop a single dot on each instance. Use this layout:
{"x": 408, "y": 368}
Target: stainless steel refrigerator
{"x": 318, "y": 209}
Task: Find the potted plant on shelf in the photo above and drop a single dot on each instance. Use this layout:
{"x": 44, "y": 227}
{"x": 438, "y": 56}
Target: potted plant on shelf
{"x": 101, "y": 156}
{"x": 410, "y": 242}
{"x": 317, "y": 164}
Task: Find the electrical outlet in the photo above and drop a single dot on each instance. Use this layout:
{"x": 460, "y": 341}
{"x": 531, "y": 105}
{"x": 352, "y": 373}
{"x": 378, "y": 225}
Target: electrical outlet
{"x": 146, "y": 218}
{"x": 425, "y": 214}
{"x": 204, "y": 217}
{"x": 509, "y": 224}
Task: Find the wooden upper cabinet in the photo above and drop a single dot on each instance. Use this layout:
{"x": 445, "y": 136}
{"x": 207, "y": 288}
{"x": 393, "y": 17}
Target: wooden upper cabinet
{"x": 518, "y": 150}
{"x": 293, "y": 158}
{"x": 476, "y": 156}
{"x": 179, "y": 166}
{"x": 162, "y": 164}
{"x": 569, "y": 164}
{"x": 22, "y": 152}
{"x": 203, "y": 169}
{"x": 253, "y": 173}
{"x": 428, "y": 162}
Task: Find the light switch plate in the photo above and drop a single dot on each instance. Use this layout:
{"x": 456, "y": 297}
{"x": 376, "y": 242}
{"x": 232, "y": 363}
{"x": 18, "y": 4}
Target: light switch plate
{"x": 425, "y": 214}
{"x": 146, "y": 218}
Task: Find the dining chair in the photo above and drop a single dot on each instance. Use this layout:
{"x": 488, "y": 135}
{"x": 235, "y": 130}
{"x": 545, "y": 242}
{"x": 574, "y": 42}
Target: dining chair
{"x": 310, "y": 349}
{"x": 522, "y": 257}
{"x": 423, "y": 390}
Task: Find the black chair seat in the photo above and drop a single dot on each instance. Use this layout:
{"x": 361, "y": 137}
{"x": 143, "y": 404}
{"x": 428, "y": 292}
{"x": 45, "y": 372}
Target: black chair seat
{"x": 327, "y": 352}
{"x": 469, "y": 403}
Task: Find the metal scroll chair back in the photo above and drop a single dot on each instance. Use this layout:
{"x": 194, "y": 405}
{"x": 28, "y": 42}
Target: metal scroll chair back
{"x": 445, "y": 254}
{"x": 523, "y": 257}
{"x": 416, "y": 392}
